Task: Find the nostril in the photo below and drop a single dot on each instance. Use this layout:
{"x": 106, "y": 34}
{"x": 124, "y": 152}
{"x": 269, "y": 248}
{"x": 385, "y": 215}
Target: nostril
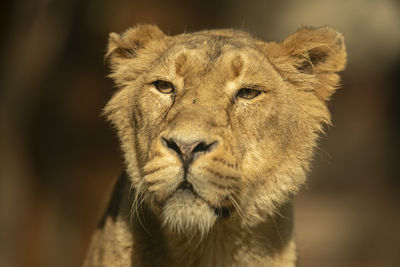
{"x": 200, "y": 147}
{"x": 204, "y": 147}
{"x": 171, "y": 144}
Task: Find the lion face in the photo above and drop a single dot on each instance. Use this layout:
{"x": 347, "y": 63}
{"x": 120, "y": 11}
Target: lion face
{"x": 215, "y": 125}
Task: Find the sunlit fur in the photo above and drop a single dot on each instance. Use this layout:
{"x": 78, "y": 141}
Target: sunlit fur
{"x": 264, "y": 144}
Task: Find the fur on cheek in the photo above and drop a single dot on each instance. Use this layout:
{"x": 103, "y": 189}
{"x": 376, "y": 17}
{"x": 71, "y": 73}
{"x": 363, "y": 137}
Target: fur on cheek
{"x": 269, "y": 187}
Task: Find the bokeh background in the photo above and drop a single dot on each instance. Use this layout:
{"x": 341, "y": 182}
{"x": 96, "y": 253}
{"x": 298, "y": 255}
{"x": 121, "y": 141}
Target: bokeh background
{"x": 58, "y": 158}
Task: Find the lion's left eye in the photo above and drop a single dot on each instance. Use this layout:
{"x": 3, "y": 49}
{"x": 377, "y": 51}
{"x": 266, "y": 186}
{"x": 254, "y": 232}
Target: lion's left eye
{"x": 248, "y": 93}
{"x": 164, "y": 86}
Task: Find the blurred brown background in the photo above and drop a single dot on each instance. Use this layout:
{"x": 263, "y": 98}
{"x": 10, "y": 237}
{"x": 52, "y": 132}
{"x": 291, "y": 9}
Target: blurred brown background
{"x": 58, "y": 157}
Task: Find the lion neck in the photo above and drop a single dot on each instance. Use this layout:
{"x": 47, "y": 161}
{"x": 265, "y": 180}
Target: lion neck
{"x": 227, "y": 244}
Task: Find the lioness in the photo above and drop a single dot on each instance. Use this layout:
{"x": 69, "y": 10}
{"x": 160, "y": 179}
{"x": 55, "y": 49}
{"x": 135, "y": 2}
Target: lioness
{"x": 217, "y": 130}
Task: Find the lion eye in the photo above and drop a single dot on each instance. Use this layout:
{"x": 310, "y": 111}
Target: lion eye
{"x": 164, "y": 86}
{"x": 248, "y": 93}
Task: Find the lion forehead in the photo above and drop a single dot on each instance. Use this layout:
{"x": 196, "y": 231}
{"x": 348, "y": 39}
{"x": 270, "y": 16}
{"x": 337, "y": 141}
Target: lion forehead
{"x": 215, "y": 59}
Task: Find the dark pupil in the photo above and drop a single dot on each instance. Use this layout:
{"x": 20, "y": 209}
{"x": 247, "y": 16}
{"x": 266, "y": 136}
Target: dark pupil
{"x": 163, "y": 85}
{"x": 248, "y": 93}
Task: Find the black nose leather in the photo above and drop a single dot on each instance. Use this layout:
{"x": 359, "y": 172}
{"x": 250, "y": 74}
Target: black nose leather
{"x": 189, "y": 151}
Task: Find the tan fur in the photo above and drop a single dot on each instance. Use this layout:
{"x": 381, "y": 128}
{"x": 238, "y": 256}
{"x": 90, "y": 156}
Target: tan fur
{"x": 238, "y": 212}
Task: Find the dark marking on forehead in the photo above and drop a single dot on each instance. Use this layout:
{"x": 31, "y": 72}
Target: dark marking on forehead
{"x": 214, "y": 52}
{"x": 214, "y": 42}
{"x": 236, "y": 67}
{"x": 179, "y": 64}
{"x": 208, "y": 48}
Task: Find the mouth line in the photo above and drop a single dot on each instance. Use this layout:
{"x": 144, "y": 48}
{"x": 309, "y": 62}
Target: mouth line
{"x": 221, "y": 212}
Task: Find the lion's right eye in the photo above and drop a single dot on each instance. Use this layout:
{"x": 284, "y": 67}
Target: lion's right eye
{"x": 164, "y": 86}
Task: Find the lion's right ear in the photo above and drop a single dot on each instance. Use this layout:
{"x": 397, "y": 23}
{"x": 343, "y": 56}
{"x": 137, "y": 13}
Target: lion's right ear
{"x": 125, "y": 45}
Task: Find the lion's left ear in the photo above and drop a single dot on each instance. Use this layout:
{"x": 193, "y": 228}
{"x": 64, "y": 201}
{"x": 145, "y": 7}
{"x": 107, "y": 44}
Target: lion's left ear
{"x": 311, "y": 54}
{"x": 316, "y": 50}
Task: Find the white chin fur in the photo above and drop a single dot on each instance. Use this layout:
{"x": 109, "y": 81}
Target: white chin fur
{"x": 187, "y": 214}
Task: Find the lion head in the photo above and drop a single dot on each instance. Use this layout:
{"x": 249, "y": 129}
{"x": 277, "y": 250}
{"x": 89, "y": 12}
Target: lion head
{"x": 218, "y": 125}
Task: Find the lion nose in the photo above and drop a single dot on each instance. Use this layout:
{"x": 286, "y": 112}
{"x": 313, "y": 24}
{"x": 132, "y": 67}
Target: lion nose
{"x": 189, "y": 151}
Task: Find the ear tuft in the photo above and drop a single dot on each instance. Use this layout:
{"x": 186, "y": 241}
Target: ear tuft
{"x": 316, "y": 50}
{"x": 126, "y": 45}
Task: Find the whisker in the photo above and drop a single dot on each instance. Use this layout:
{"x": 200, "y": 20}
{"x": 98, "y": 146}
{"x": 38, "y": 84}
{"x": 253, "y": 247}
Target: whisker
{"x": 277, "y": 229}
{"x": 236, "y": 205}
{"x": 282, "y": 216}
{"x": 232, "y": 194}
{"x": 137, "y": 207}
